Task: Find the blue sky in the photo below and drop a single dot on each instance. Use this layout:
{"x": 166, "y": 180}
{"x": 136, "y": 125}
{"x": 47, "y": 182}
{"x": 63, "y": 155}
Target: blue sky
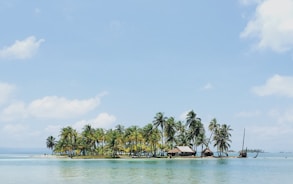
{"x": 120, "y": 62}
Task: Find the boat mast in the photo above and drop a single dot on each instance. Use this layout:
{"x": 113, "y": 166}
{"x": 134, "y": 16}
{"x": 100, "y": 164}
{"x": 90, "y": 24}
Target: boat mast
{"x": 243, "y": 141}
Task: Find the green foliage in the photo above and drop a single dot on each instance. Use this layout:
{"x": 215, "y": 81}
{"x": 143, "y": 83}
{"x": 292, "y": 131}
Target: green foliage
{"x": 136, "y": 141}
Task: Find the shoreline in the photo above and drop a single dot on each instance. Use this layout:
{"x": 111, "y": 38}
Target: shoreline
{"x": 129, "y": 158}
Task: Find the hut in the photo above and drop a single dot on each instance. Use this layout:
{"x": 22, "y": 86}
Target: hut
{"x": 181, "y": 151}
{"x": 207, "y": 152}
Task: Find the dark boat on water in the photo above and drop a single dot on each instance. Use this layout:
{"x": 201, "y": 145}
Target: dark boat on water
{"x": 243, "y": 153}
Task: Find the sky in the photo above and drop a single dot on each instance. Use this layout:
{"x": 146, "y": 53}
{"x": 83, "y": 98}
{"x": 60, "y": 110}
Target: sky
{"x": 103, "y": 63}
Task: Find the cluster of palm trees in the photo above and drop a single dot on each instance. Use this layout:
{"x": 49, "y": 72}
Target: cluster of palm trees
{"x": 154, "y": 139}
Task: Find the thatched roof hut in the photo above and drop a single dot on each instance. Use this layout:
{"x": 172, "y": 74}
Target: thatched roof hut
{"x": 181, "y": 151}
{"x": 207, "y": 152}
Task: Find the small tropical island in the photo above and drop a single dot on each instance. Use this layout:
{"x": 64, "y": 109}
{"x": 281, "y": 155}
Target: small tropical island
{"x": 165, "y": 137}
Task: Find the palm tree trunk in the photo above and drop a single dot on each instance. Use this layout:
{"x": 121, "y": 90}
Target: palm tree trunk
{"x": 210, "y": 139}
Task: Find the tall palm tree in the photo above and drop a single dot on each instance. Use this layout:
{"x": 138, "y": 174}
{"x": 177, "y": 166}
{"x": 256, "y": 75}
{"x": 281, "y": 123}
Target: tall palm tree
{"x": 150, "y": 137}
{"x": 160, "y": 120}
{"x": 51, "y": 141}
{"x": 213, "y": 126}
{"x": 170, "y": 130}
{"x": 120, "y": 131}
{"x": 147, "y": 131}
{"x": 133, "y": 139}
{"x": 181, "y": 138}
{"x": 88, "y": 134}
{"x": 114, "y": 142}
{"x": 100, "y": 137}
{"x": 222, "y": 138}
{"x": 68, "y": 137}
{"x": 201, "y": 140}
{"x": 195, "y": 127}
{"x": 154, "y": 139}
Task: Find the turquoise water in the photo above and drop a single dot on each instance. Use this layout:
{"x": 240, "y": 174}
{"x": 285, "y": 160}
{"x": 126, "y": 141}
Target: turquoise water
{"x": 267, "y": 168}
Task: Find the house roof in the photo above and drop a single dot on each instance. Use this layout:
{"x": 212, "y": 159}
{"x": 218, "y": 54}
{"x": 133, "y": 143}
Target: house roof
{"x": 185, "y": 149}
{"x": 175, "y": 150}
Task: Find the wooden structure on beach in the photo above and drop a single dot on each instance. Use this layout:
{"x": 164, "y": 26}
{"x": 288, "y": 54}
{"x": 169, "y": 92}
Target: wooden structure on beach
{"x": 181, "y": 151}
{"x": 207, "y": 152}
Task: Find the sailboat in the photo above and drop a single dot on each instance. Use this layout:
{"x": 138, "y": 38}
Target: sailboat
{"x": 243, "y": 153}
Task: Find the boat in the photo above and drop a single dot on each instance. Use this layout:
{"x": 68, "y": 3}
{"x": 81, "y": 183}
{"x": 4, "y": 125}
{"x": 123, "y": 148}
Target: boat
{"x": 243, "y": 153}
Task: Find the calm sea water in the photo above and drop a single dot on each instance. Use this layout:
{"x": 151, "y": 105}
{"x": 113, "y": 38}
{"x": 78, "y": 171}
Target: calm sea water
{"x": 267, "y": 169}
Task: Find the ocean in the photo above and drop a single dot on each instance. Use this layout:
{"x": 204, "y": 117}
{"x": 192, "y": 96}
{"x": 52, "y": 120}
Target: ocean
{"x": 267, "y": 168}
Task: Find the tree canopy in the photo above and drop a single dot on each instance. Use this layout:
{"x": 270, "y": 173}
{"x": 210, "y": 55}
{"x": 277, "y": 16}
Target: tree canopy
{"x": 163, "y": 134}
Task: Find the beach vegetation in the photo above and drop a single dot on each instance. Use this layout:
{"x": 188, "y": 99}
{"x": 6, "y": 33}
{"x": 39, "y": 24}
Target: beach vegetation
{"x": 152, "y": 140}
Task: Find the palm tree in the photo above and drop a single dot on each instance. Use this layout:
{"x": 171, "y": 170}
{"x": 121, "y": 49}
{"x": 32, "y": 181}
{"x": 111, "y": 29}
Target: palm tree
{"x": 201, "y": 140}
{"x": 154, "y": 139}
{"x": 133, "y": 138}
{"x": 68, "y": 139}
{"x": 148, "y": 134}
{"x": 120, "y": 131}
{"x": 181, "y": 138}
{"x": 222, "y": 138}
{"x": 100, "y": 139}
{"x": 114, "y": 142}
{"x": 170, "y": 130}
{"x": 89, "y": 136}
{"x": 160, "y": 120}
{"x": 194, "y": 126}
{"x": 213, "y": 126}
{"x": 51, "y": 143}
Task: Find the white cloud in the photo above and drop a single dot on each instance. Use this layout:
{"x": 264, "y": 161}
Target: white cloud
{"x": 273, "y": 127}
{"x": 23, "y": 49}
{"x": 282, "y": 116}
{"x": 276, "y": 85}
{"x": 272, "y": 131}
{"x": 14, "y": 130}
{"x": 103, "y": 120}
{"x": 50, "y": 107}
{"x": 60, "y": 107}
{"x": 272, "y": 24}
{"x": 20, "y": 135}
{"x": 5, "y": 92}
{"x": 17, "y": 110}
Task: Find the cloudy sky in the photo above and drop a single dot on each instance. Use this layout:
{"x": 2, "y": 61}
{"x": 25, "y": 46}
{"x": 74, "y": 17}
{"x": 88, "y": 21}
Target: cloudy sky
{"x": 104, "y": 63}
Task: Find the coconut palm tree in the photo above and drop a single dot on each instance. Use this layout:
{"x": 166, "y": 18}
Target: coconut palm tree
{"x": 114, "y": 142}
{"x": 148, "y": 134}
{"x": 194, "y": 126}
{"x": 160, "y": 120}
{"x": 201, "y": 140}
{"x": 120, "y": 131}
{"x": 100, "y": 136}
{"x": 133, "y": 138}
{"x": 88, "y": 134}
{"x": 170, "y": 130}
{"x": 181, "y": 138}
{"x": 154, "y": 139}
{"x": 68, "y": 138}
{"x": 51, "y": 141}
{"x": 222, "y": 138}
{"x": 213, "y": 126}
